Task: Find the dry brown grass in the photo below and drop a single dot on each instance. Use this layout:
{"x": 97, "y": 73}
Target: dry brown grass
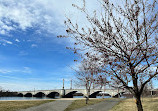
{"x": 81, "y": 103}
{"x": 149, "y": 104}
{"x": 16, "y": 105}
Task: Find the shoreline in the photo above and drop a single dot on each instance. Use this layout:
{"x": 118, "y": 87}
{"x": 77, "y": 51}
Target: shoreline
{"x": 47, "y": 99}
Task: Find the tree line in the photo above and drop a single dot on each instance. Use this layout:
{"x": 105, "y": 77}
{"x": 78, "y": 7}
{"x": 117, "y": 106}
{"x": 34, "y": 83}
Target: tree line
{"x": 7, "y": 93}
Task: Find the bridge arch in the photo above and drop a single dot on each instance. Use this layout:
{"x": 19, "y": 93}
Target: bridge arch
{"x": 20, "y": 95}
{"x": 104, "y": 94}
{"x": 118, "y": 94}
{"x": 40, "y": 94}
{"x": 28, "y": 95}
{"x": 78, "y": 94}
{"x": 69, "y": 94}
{"x": 94, "y": 94}
{"x": 53, "y": 94}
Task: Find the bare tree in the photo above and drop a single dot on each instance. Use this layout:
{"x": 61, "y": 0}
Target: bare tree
{"x": 101, "y": 81}
{"x": 123, "y": 38}
{"x": 116, "y": 84}
{"x": 86, "y": 76}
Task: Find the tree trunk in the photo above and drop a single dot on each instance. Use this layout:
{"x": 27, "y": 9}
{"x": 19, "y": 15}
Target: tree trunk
{"x": 139, "y": 103}
{"x": 87, "y": 98}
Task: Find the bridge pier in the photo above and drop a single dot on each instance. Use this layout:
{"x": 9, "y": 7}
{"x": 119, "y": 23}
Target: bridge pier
{"x": 62, "y": 93}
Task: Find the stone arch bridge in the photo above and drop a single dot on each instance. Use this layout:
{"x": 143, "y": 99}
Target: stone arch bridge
{"x": 68, "y": 93}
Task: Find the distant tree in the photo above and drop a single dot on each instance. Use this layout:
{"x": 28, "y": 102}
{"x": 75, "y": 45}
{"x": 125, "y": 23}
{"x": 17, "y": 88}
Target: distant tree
{"x": 86, "y": 75}
{"x": 151, "y": 87}
{"x": 1, "y": 88}
{"x": 101, "y": 81}
{"x": 123, "y": 37}
{"x": 116, "y": 84}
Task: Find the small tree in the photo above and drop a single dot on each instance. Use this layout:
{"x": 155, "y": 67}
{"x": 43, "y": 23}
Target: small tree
{"x": 117, "y": 85}
{"x": 101, "y": 81}
{"x": 86, "y": 76}
{"x": 123, "y": 38}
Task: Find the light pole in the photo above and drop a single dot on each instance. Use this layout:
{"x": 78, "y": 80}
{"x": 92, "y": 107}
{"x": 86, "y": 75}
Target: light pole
{"x": 63, "y": 90}
{"x": 63, "y": 83}
{"x": 71, "y": 84}
{"x": 104, "y": 87}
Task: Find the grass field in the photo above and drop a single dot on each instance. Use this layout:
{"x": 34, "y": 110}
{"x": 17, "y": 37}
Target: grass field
{"x": 81, "y": 103}
{"x": 149, "y": 104}
{"x": 16, "y": 105}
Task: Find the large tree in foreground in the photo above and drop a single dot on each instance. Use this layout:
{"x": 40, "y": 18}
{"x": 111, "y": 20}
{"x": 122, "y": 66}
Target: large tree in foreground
{"x": 123, "y": 39}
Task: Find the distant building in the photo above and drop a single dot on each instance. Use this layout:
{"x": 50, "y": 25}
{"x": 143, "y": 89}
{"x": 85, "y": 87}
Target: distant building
{"x": 155, "y": 92}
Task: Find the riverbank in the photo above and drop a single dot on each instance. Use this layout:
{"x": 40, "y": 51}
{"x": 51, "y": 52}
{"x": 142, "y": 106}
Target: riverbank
{"x": 47, "y": 99}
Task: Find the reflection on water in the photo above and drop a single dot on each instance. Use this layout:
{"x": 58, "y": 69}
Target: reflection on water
{"x": 103, "y": 96}
{"x": 22, "y": 98}
{"x": 96, "y": 97}
{"x": 99, "y": 97}
{"x": 78, "y": 97}
{"x": 36, "y": 98}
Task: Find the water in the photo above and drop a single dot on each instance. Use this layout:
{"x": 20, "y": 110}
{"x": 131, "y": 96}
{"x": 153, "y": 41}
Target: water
{"x": 99, "y": 97}
{"x": 78, "y": 97}
{"x": 36, "y": 98}
{"x": 22, "y": 98}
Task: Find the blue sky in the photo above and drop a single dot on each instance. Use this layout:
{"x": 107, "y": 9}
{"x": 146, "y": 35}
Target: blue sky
{"x": 29, "y": 63}
{"x": 31, "y": 56}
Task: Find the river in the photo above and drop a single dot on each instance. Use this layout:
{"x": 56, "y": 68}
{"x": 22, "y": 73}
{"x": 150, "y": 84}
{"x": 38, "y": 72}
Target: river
{"x": 35, "y": 98}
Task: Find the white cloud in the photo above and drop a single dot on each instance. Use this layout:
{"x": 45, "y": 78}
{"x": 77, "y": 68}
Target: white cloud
{"x": 27, "y": 70}
{"x": 5, "y": 42}
{"x": 27, "y": 85}
{"x": 23, "y": 53}
{"x": 46, "y": 14}
{"x": 17, "y": 40}
{"x": 5, "y": 71}
{"x": 10, "y": 77}
{"x": 8, "y": 42}
{"x": 25, "y": 14}
{"x": 34, "y": 46}
{"x": 21, "y": 70}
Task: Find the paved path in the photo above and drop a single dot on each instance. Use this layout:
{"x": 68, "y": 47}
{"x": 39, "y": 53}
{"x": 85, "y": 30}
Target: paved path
{"x": 59, "y": 105}
{"x": 102, "y": 106}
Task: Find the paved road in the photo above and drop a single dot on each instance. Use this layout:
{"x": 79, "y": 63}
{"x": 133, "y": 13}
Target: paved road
{"x": 102, "y": 106}
{"x": 59, "y": 105}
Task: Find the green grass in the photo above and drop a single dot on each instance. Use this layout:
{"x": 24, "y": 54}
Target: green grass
{"x": 81, "y": 103}
{"x": 17, "y": 105}
{"x": 149, "y": 104}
